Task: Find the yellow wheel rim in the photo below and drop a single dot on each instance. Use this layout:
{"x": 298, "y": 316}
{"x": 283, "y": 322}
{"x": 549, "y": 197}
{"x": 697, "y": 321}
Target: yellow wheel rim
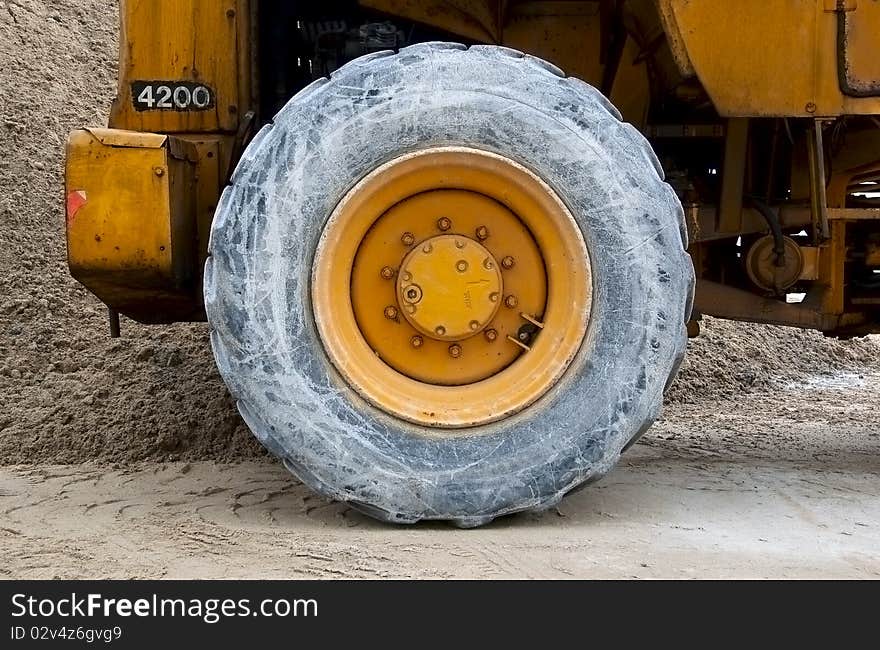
{"x": 451, "y": 287}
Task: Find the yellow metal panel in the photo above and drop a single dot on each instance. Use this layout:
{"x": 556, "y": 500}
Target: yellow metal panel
{"x": 863, "y": 42}
{"x": 198, "y": 41}
{"x": 568, "y": 34}
{"x": 759, "y": 58}
{"x": 118, "y": 200}
{"x": 131, "y": 229}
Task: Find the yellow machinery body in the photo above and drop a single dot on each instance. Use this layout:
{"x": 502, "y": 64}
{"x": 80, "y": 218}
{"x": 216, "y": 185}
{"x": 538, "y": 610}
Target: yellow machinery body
{"x": 772, "y": 84}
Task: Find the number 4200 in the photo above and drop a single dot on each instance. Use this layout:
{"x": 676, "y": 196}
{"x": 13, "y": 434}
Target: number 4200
{"x": 171, "y": 96}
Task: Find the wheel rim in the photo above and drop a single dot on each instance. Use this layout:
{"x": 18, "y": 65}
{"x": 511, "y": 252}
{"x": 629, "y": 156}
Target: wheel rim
{"x": 451, "y": 288}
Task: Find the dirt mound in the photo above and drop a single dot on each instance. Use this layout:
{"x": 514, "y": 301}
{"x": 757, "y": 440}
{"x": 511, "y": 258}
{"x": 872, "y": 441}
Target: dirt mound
{"x": 70, "y": 394}
{"x": 729, "y": 359}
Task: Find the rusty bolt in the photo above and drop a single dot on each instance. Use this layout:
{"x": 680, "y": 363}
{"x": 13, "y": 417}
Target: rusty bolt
{"x": 508, "y": 262}
{"x": 387, "y": 273}
{"x": 493, "y": 296}
{"x": 455, "y": 351}
{"x": 444, "y": 223}
{"x": 491, "y": 335}
{"x": 482, "y": 233}
{"x": 391, "y": 312}
{"x": 810, "y": 107}
{"x": 416, "y": 341}
{"x": 511, "y": 302}
{"x": 159, "y": 171}
{"x": 461, "y": 266}
{"x": 408, "y": 239}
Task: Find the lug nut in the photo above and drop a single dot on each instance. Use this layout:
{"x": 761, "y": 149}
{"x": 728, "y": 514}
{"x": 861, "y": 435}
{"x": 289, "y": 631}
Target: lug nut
{"x": 455, "y": 351}
{"x": 387, "y": 273}
{"x": 416, "y": 341}
{"x": 491, "y": 335}
{"x": 391, "y": 312}
{"x": 511, "y": 302}
{"x": 482, "y": 233}
{"x": 508, "y": 262}
{"x": 408, "y": 239}
{"x": 444, "y": 223}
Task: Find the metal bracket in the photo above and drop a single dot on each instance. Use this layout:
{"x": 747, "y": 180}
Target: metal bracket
{"x": 818, "y": 196}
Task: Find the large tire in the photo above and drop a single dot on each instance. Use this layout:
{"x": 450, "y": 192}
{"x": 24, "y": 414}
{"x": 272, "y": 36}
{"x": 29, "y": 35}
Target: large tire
{"x": 268, "y": 223}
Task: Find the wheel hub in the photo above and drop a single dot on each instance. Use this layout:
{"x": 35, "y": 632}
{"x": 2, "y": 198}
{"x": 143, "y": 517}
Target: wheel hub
{"x": 449, "y": 287}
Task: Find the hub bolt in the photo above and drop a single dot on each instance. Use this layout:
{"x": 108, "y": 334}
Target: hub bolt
{"x": 391, "y": 312}
{"x": 412, "y": 294}
{"x": 474, "y": 325}
{"x": 511, "y": 302}
{"x": 455, "y": 351}
{"x": 444, "y": 223}
{"x": 508, "y": 262}
{"x": 491, "y": 335}
{"x": 461, "y": 266}
{"x": 482, "y": 233}
{"x": 387, "y": 273}
{"x": 416, "y": 341}
{"x": 440, "y": 330}
{"x": 408, "y": 239}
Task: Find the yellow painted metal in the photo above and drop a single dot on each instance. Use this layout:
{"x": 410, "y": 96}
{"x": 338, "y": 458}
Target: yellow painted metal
{"x": 449, "y": 287}
{"x": 200, "y": 41}
{"x": 863, "y": 23}
{"x": 564, "y": 259}
{"x": 418, "y": 214}
{"x": 131, "y": 228}
{"x": 759, "y": 58}
{"x": 565, "y": 32}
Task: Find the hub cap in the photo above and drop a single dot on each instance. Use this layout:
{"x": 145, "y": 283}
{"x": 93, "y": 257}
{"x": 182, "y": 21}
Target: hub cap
{"x": 449, "y": 287}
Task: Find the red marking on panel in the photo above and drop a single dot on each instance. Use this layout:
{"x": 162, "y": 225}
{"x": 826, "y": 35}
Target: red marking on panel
{"x": 75, "y": 200}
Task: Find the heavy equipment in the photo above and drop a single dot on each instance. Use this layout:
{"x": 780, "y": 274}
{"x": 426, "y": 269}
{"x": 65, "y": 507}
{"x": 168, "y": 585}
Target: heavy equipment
{"x": 450, "y": 250}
